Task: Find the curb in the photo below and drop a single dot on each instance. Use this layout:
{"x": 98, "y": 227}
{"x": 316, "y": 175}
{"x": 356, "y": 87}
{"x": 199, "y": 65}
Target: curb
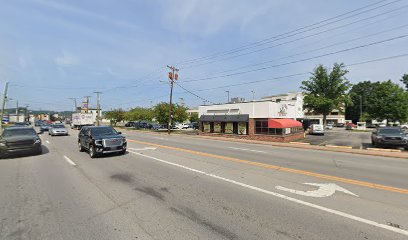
{"x": 334, "y": 146}
{"x": 302, "y": 143}
{"x": 384, "y": 150}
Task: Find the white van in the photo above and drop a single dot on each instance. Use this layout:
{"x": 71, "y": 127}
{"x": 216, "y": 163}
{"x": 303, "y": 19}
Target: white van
{"x": 316, "y": 129}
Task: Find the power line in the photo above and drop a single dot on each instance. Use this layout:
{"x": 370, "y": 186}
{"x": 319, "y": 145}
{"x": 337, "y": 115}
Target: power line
{"x": 297, "y": 39}
{"x": 313, "y": 50}
{"x": 188, "y": 91}
{"x": 267, "y": 40}
{"x": 299, "y": 74}
{"x": 301, "y": 60}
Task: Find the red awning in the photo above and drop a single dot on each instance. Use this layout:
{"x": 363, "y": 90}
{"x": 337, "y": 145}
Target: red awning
{"x": 283, "y": 123}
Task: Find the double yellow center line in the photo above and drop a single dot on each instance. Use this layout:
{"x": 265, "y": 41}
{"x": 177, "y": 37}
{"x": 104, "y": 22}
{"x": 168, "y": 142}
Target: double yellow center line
{"x": 291, "y": 170}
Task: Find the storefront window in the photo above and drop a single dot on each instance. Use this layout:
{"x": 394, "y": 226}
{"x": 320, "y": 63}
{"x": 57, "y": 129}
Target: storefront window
{"x": 261, "y": 126}
{"x": 229, "y": 128}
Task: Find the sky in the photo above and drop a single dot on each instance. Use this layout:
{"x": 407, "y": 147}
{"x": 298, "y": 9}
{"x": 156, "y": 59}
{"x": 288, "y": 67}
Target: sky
{"x": 51, "y": 51}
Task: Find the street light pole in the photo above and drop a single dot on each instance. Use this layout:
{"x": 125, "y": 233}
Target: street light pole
{"x": 172, "y": 77}
{"x": 361, "y": 108}
{"x": 3, "y": 105}
{"x": 228, "y": 100}
{"x": 253, "y": 95}
{"x": 75, "y": 102}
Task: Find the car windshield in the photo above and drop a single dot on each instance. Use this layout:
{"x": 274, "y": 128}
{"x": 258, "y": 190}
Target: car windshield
{"x": 18, "y": 132}
{"x": 58, "y": 126}
{"x": 103, "y": 131}
{"x": 389, "y": 131}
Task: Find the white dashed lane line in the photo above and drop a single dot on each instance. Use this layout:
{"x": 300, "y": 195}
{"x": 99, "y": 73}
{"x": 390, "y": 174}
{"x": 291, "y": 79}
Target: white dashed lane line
{"x": 69, "y": 161}
{"x": 48, "y": 142}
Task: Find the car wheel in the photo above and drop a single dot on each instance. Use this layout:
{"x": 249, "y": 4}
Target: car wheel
{"x": 92, "y": 152}
{"x": 80, "y": 148}
{"x": 123, "y": 152}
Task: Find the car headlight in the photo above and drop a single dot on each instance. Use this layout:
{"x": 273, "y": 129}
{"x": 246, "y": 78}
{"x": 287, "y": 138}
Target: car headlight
{"x": 124, "y": 140}
{"x": 98, "y": 142}
{"x": 379, "y": 137}
{"x": 2, "y": 144}
{"x": 37, "y": 141}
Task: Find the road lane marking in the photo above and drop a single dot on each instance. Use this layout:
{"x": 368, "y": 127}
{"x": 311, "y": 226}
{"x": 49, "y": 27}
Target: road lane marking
{"x": 142, "y": 149}
{"x": 48, "y": 142}
{"x": 324, "y": 190}
{"x": 69, "y": 161}
{"x": 301, "y": 202}
{"x": 244, "y": 149}
{"x": 274, "y": 167}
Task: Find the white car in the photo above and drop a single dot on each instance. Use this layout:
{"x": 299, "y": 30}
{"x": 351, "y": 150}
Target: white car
{"x": 316, "y": 129}
{"x": 329, "y": 126}
{"x": 187, "y": 126}
{"x": 57, "y": 130}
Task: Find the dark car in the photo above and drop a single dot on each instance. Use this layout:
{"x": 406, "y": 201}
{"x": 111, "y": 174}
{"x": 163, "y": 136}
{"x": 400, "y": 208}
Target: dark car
{"x": 195, "y": 125}
{"x": 339, "y": 125}
{"x": 101, "y": 140}
{"x": 130, "y": 124}
{"x": 389, "y": 137}
{"x": 19, "y": 140}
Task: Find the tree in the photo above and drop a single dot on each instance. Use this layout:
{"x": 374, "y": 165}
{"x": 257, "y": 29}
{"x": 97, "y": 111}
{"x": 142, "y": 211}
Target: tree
{"x": 139, "y": 114}
{"x": 326, "y": 91}
{"x": 404, "y": 80}
{"x": 116, "y": 115}
{"x": 194, "y": 117}
{"x": 161, "y": 113}
{"x": 361, "y": 91}
{"x": 388, "y": 101}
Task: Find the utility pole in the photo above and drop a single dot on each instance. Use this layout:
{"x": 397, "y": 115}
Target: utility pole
{"x": 253, "y": 95}
{"x": 98, "y": 110}
{"x": 87, "y": 103}
{"x": 4, "y": 104}
{"x": 173, "y": 75}
{"x": 75, "y": 102}
{"x": 228, "y": 96}
{"x": 26, "y": 116}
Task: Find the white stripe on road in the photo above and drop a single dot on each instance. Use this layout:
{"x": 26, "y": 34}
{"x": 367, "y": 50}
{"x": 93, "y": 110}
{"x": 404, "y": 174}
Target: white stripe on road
{"x": 48, "y": 142}
{"x": 301, "y": 202}
{"x": 244, "y": 149}
{"x": 69, "y": 161}
{"x": 142, "y": 149}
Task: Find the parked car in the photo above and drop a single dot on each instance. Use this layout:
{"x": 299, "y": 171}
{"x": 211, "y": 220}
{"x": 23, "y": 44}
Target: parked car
{"x": 57, "y": 130}
{"x": 389, "y": 137}
{"x": 195, "y": 125}
{"x": 340, "y": 125}
{"x": 350, "y": 126}
{"x": 19, "y": 140}
{"x": 316, "y": 129}
{"x": 101, "y": 140}
{"x": 130, "y": 124}
{"x": 329, "y": 126}
{"x": 404, "y": 126}
{"x": 44, "y": 127}
{"x": 187, "y": 126}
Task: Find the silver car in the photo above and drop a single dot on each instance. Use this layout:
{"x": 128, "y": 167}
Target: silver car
{"x": 57, "y": 130}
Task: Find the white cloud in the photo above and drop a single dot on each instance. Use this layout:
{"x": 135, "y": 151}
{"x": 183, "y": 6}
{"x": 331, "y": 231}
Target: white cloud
{"x": 66, "y": 59}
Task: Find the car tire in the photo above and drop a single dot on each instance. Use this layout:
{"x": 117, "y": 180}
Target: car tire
{"x": 80, "y": 147}
{"x": 123, "y": 152}
{"x": 92, "y": 152}
{"x": 39, "y": 151}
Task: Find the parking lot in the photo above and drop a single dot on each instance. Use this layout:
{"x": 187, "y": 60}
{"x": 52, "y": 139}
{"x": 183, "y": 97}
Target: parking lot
{"x": 342, "y": 137}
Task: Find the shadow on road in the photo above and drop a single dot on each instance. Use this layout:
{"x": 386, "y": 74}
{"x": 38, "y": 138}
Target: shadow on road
{"x": 45, "y": 150}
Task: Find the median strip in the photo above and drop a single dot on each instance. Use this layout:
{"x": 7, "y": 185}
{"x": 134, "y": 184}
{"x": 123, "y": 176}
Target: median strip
{"x": 291, "y": 170}
{"x": 302, "y": 143}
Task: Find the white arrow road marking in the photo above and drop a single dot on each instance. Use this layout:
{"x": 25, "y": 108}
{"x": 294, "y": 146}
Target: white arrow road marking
{"x": 244, "y": 149}
{"x": 290, "y": 199}
{"x": 69, "y": 161}
{"x": 325, "y": 190}
{"x": 142, "y": 149}
{"x": 48, "y": 142}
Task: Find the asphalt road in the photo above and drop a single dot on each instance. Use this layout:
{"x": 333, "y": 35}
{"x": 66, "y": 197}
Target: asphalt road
{"x": 184, "y": 187}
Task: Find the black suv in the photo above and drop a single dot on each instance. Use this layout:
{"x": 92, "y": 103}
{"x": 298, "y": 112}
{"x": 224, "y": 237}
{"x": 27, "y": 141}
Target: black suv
{"x": 18, "y": 140}
{"x": 389, "y": 136}
{"x": 100, "y": 140}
